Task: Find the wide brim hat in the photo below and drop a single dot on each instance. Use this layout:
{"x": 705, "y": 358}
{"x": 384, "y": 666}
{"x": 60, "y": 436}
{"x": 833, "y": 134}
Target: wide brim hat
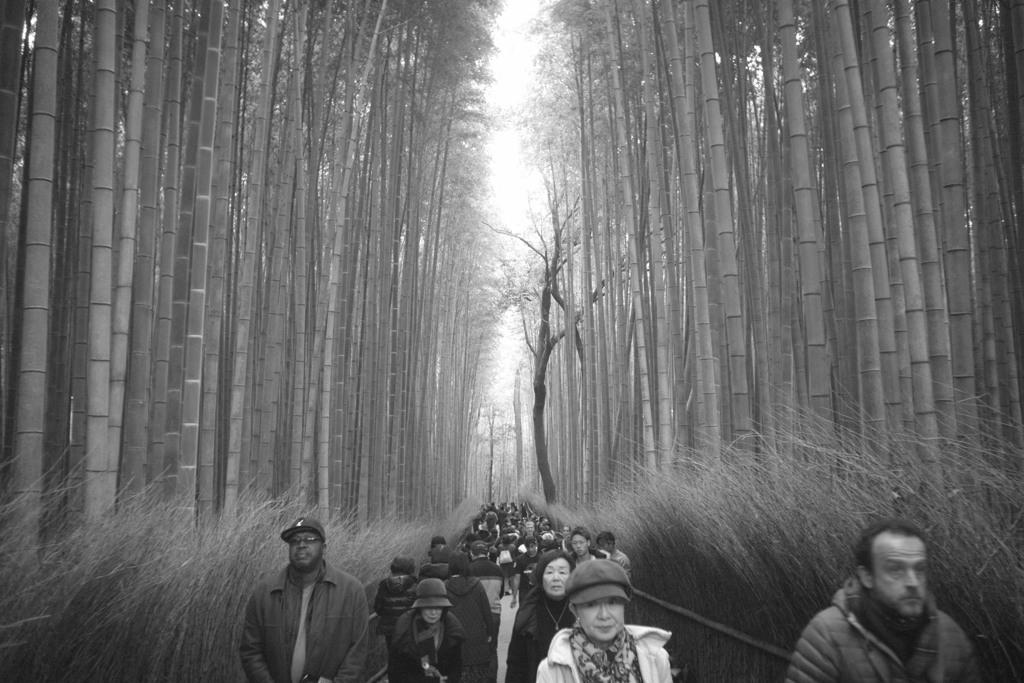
{"x": 596, "y": 579}
{"x": 431, "y": 593}
{"x": 304, "y": 524}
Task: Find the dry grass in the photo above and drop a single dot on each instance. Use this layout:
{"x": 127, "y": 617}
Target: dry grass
{"x": 761, "y": 542}
{"x": 146, "y": 595}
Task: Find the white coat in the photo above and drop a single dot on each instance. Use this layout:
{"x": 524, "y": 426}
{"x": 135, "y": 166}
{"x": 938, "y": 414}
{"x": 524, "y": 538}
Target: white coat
{"x": 559, "y": 666}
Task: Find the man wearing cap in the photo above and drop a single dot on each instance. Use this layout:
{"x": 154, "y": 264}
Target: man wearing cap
{"x": 601, "y": 646}
{"x": 493, "y": 582}
{"x": 306, "y": 623}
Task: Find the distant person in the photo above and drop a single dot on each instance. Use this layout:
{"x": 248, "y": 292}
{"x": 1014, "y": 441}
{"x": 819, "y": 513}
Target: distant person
{"x": 472, "y": 608}
{"x": 542, "y": 613}
{"x": 548, "y": 541}
{"x": 565, "y": 538}
{"x": 606, "y": 544}
{"x": 428, "y": 639}
{"x": 522, "y": 574}
{"x": 308, "y": 621}
{"x": 601, "y": 646}
{"x": 491, "y": 524}
{"x": 395, "y": 595}
{"x": 507, "y": 559}
{"x": 436, "y": 566}
{"x": 883, "y": 624}
{"x": 579, "y": 540}
{"x": 493, "y": 581}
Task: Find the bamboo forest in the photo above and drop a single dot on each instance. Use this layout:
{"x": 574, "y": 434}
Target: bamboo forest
{"x": 250, "y": 249}
{"x": 728, "y": 278}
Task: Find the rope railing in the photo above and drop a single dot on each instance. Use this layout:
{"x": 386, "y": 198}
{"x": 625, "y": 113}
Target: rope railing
{"x": 715, "y": 626}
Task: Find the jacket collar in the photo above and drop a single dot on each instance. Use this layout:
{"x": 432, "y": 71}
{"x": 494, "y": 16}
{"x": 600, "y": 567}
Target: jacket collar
{"x": 281, "y": 579}
{"x": 926, "y": 649}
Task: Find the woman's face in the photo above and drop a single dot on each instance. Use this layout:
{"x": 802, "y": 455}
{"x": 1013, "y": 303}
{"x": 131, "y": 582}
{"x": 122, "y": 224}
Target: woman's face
{"x": 431, "y": 615}
{"x": 602, "y": 619}
{"x": 580, "y": 545}
{"x": 555, "y": 576}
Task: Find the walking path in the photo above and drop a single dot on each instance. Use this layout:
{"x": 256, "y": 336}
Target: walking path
{"x": 508, "y": 618}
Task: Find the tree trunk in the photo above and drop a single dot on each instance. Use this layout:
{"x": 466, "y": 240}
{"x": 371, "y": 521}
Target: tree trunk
{"x": 100, "y": 455}
{"x": 30, "y": 406}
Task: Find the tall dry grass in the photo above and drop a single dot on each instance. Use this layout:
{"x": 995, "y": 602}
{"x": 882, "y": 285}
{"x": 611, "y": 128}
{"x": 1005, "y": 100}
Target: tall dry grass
{"x": 147, "y": 595}
{"x": 761, "y": 542}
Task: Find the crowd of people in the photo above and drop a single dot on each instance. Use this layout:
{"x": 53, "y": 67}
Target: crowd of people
{"x": 505, "y": 551}
{"x": 440, "y": 620}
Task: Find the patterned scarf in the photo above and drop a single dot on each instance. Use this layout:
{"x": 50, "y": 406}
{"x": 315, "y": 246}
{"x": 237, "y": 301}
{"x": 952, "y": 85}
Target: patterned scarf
{"x": 617, "y": 664}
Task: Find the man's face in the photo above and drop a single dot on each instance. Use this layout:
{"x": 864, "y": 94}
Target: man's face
{"x": 529, "y": 528}
{"x": 897, "y": 578}
{"x": 580, "y": 545}
{"x": 305, "y": 551}
{"x": 607, "y": 546}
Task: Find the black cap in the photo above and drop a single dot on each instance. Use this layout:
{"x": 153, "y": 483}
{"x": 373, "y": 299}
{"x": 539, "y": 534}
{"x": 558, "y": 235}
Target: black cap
{"x": 304, "y": 524}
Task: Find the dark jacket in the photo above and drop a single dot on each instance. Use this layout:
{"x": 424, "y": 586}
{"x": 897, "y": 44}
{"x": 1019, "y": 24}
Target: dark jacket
{"x": 436, "y": 566}
{"x": 336, "y": 639}
{"x": 395, "y": 596}
{"x": 473, "y": 610}
{"x": 492, "y": 578}
{"x": 404, "y": 659}
{"x": 527, "y": 647}
{"x": 837, "y": 648}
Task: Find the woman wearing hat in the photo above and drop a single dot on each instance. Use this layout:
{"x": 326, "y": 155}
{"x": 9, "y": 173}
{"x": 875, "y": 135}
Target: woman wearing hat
{"x": 427, "y": 646}
{"x": 543, "y": 612}
{"x": 601, "y": 648}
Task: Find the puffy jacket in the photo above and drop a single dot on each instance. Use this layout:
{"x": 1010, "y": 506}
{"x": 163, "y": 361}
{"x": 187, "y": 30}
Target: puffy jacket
{"x": 404, "y": 663}
{"x": 395, "y": 596}
{"x": 559, "y": 667}
{"x": 335, "y": 636}
{"x": 473, "y": 610}
{"x": 836, "y": 648}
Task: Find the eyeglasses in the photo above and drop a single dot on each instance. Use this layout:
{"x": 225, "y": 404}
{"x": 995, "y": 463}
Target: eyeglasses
{"x": 303, "y": 540}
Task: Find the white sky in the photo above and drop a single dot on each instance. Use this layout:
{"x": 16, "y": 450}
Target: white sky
{"x": 512, "y": 67}
{"x": 511, "y": 180}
